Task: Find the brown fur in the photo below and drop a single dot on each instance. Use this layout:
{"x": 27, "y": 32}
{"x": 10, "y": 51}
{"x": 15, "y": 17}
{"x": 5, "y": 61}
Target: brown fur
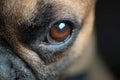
{"x": 17, "y": 12}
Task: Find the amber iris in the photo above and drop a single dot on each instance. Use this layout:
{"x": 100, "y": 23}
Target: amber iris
{"x": 60, "y": 31}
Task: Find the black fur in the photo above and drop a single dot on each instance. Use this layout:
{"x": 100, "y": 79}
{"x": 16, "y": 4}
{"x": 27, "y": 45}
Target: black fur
{"x": 34, "y": 35}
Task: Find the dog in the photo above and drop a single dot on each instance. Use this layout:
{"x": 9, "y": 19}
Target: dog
{"x": 48, "y": 40}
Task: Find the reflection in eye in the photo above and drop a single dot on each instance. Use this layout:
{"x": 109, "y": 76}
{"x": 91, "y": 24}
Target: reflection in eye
{"x": 59, "y": 32}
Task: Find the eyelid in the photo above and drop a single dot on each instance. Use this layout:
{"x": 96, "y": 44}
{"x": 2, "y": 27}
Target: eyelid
{"x": 70, "y": 22}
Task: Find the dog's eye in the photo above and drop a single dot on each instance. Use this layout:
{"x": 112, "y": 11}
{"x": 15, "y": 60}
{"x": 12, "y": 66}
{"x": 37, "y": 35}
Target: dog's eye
{"x": 59, "y": 32}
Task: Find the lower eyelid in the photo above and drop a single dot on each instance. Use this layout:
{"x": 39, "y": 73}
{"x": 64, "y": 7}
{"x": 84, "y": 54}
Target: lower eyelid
{"x": 48, "y": 51}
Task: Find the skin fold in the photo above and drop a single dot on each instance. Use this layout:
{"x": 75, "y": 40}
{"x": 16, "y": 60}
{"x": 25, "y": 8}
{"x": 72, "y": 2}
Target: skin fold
{"x": 25, "y": 54}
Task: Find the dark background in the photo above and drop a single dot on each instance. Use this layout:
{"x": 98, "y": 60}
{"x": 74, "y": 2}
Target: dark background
{"x": 108, "y": 33}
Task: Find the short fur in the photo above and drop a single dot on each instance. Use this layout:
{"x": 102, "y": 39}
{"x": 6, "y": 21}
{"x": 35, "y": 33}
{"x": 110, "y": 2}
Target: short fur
{"x": 23, "y": 27}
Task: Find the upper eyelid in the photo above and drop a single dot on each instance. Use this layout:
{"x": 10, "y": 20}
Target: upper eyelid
{"x": 47, "y": 21}
{"x": 57, "y": 19}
